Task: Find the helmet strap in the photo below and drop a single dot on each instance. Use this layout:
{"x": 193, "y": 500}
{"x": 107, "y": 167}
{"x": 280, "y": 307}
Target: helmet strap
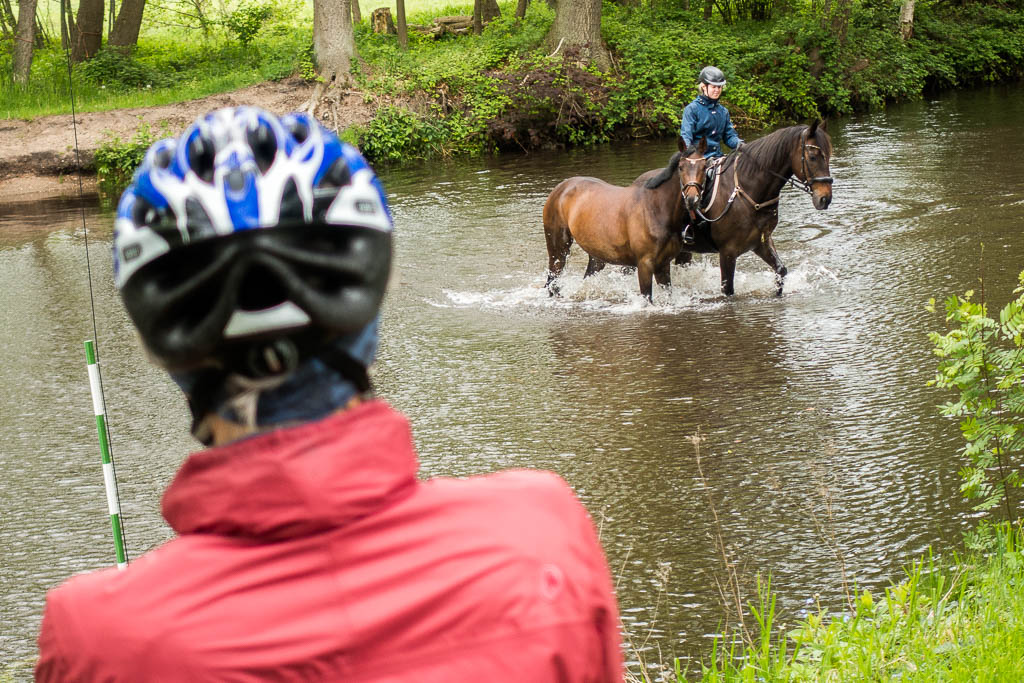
{"x": 348, "y": 367}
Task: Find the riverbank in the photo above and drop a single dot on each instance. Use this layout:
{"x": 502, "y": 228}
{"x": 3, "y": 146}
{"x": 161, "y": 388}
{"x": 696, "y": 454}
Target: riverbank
{"x": 43, "y": 156}
{"x": 946, "y": 621}
{"x": 504, "y": 91}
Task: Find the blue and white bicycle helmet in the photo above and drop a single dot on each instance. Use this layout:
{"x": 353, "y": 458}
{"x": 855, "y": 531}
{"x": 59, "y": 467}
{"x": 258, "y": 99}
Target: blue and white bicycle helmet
{"x": 247, "y": 228}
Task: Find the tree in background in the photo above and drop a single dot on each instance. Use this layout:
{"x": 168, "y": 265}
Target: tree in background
{"x": 578, "y": 24}
{"x": 87, "y": 32}
{"x": 125, "y": 32}
{"x": 334, "y": 45}
{"x": 24, "y": 38}
{"x": 907, "y": 19}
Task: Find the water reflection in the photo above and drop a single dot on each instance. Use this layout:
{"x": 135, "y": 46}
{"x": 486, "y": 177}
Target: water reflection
{"x": 824, "y": 462}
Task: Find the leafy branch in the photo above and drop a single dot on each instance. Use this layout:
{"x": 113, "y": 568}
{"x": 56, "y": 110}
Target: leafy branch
{"x": 982, "y": 360}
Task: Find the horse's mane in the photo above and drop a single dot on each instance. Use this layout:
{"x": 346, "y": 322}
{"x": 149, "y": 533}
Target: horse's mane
{"x": 772, "y": 151}
{"x": 665, "y": 173}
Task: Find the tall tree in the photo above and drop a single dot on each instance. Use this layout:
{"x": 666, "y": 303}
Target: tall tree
{"x": 907, "y": 19}
{"x": 578, "y": 24}
{"x": 403, "y": 31}
{"x": 87, "y": 33}
{"x": 521, "y": 9}
{"x": 125, "y": 33}
{"x": 24, "y": 39}
{"x": 357, "y": 14}
{"x": 334, "y": 46}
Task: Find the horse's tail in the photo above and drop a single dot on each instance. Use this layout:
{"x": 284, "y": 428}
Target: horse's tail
{"x": 665, "y": 173}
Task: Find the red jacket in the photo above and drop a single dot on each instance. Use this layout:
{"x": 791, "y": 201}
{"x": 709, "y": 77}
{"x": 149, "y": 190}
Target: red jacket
{"x": 315, "y": 554}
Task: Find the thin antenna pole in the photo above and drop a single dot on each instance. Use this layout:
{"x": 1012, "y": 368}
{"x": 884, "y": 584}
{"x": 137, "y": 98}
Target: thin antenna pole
{"x": 109, "y": 478}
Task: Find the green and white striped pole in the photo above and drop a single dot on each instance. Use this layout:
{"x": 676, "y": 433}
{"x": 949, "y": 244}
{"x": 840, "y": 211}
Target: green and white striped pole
{"x": 109, "y": 481}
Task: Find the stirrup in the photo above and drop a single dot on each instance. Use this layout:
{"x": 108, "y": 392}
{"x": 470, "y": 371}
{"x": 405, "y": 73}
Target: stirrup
{"x": 688, "y": 234}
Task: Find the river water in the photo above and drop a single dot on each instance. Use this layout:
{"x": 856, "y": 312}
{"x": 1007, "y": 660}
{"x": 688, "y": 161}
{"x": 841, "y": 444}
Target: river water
{"x": 821, "y": 461}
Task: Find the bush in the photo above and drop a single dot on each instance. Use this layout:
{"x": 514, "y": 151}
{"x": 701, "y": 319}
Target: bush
{"x": 110, "y": 68}
{"x": 116, "y": 159}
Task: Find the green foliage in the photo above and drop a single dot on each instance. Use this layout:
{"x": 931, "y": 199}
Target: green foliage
{"x": 113, "y": 69}
{"x": 246, "y": 20}
{"x": 946, "y": 621}
{"x": 116, "y": 159}
{"x": 982, "y": 360}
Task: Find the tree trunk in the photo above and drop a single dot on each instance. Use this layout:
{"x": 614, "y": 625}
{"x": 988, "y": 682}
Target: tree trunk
{"x": 357, "y": 13}
{"x": 478, "y": 17}
{"x": 907, "y": 19}
{"x": 578, "y": 24}
{"x": 125, "y": 33}
{"x": 489, "y": 11}
{"x": 333, "y": 42}
{"x": 521, "y": 9}
{"x": 24, "y": 38}
{"x": 403, "y": 30}
{"x": 708, "y": 6}
{"x": 65, "y": 34}
{"x": 87, "y": 35}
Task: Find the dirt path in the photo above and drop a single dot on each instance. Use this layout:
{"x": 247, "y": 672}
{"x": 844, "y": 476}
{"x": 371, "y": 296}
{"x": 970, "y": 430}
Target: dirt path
{"x": 38, "y": 157}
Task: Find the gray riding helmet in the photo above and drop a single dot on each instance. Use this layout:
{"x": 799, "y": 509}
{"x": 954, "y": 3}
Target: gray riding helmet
{"x": 712, "y": 75}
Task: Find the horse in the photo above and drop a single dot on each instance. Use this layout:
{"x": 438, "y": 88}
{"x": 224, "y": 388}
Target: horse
{"x": 627, "y": 226}
{"x": 756, "y": 173}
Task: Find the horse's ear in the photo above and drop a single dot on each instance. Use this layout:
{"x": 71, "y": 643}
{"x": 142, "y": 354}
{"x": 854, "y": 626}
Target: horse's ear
{"x": 682, "y": 144}
{"x": 813, "y": 128}
{"x": 823, "y": 125}
{"x": 703, "y": 146}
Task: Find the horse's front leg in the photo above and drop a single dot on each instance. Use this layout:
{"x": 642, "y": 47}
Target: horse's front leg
{"x": 766, "y": 250}
{"x": 645, "y": 273}
{"x": 727, "y": 266}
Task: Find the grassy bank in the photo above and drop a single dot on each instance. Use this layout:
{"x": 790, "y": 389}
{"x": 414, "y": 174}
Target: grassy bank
{"x": 961, "y": 620}
{"x": 499, "y": 91}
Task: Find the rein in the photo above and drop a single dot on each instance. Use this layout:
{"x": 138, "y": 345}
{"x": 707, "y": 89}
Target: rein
{"x": 803, "y": 184}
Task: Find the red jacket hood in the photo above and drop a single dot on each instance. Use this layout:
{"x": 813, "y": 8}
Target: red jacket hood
{"x": 296, "y": 481}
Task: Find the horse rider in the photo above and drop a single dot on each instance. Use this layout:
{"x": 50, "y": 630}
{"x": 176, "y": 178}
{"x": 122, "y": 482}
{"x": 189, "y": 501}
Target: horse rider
{"x": 252, "y": 255}
{"x": 706, "y": 118}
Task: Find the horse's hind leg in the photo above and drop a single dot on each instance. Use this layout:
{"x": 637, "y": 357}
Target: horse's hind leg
{"x": 727, "y": 266}
{"x": 766, "y": 250}
{"x": 594, "y": 266}
{"x": 663, "y": 275}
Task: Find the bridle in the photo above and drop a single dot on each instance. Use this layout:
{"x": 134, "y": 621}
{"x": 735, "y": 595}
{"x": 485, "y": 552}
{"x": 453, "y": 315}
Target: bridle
{"x": 807, "y": 182}
{"x": 699, "y": 185}
{"x": 803, "y": 184}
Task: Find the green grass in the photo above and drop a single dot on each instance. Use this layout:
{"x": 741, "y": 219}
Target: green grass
{"x": 956, "y": 621}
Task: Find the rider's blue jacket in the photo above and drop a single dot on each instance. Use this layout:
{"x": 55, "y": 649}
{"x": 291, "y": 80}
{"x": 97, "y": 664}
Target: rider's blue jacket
{"x": 706, "y": 118}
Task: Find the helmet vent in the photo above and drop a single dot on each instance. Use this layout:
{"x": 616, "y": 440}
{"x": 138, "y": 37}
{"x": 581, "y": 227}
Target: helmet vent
{"x": 264, "y": 146}
{"x": 201, "y": 157}
{"x": 291, "y": 203}
{"x": 260, "y": 289}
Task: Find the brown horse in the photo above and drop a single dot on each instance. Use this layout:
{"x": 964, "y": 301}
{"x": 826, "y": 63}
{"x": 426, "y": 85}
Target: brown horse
{"x": 627, "y": 226}
{"x": 744, "y": 211}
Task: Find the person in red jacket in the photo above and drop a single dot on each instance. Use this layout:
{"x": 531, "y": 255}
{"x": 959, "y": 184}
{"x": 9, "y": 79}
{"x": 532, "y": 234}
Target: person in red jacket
{"x": 252, "y": 254}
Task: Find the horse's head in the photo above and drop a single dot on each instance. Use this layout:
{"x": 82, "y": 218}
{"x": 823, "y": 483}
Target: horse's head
{"x": 810, "y": 164}
{"x": 692, "y": 166}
